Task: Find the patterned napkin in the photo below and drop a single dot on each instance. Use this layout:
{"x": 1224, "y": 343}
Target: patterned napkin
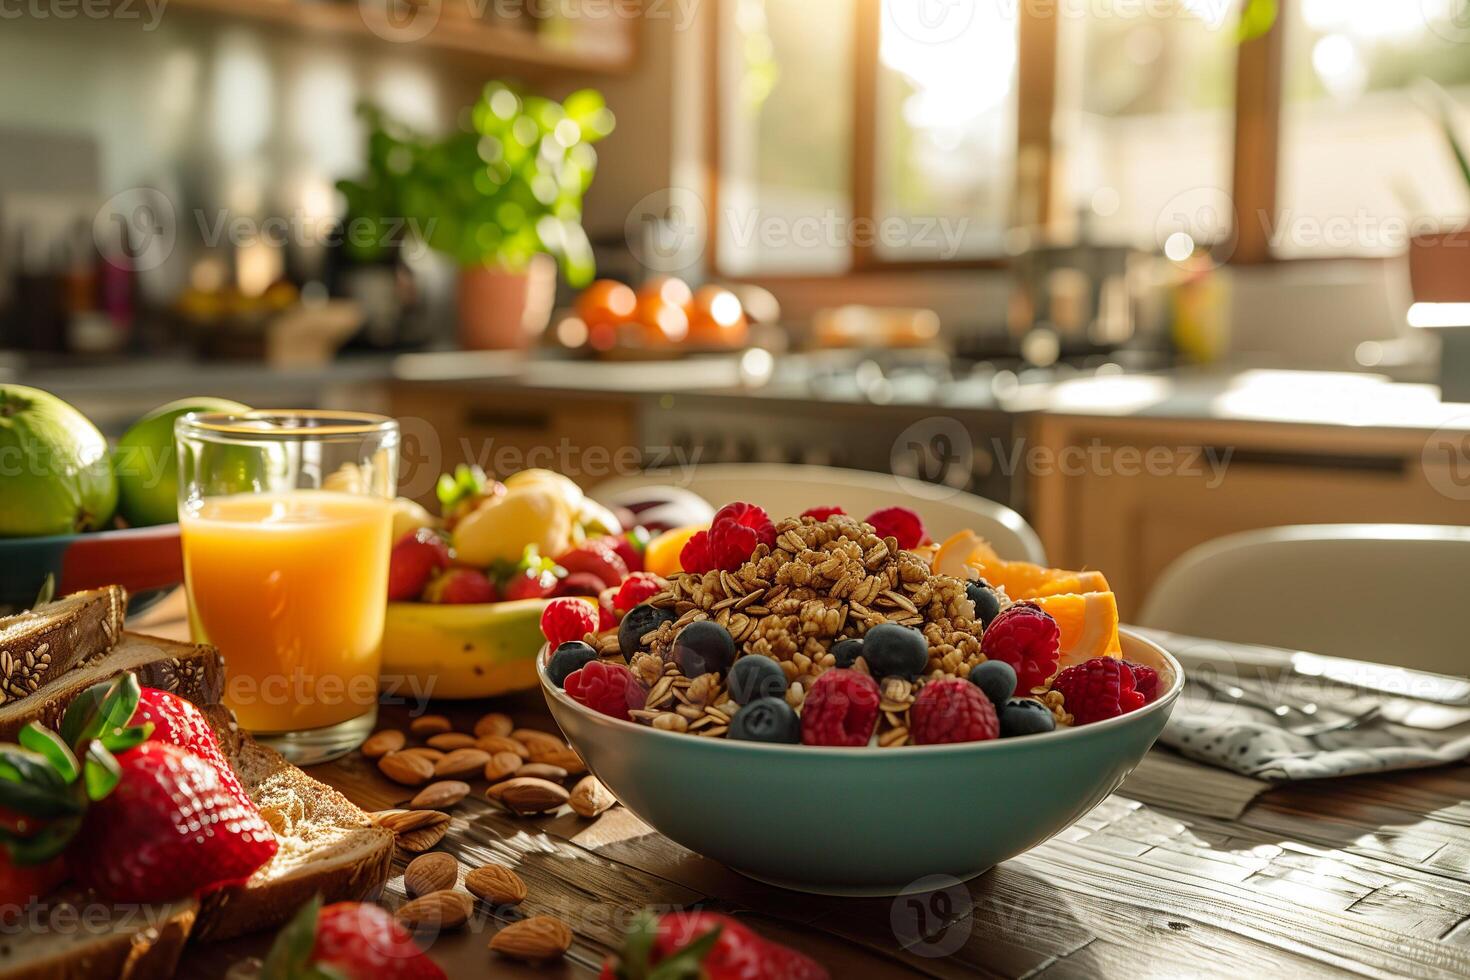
{"x": 1408, "y": 734}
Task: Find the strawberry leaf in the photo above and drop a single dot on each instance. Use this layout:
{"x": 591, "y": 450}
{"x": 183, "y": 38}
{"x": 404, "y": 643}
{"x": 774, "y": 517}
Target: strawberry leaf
{"x": 23, "y": 766}
{"x": 100, "y": 772}
{"x": 47, "y": 744}
{"x": 686, "y": 964}
{"x": 291, "y": 951}
{"x": 125, "y": 738}
{"x": 40, "y": 847}
{"x": 101, "y": 708}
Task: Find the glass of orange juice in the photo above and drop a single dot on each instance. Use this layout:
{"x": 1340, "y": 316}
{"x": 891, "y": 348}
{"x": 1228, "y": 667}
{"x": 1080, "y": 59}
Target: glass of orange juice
{"x": 286, "y": 519}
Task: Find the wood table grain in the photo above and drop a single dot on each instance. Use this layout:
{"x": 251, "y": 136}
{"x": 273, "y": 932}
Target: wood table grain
{"x": 1359, "y": 876}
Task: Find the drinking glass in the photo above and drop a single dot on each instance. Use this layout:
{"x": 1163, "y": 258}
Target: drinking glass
{"x": 286, "y": 521}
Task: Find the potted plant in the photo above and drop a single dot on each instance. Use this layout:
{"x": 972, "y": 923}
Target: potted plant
{"x": 502, "y": 197}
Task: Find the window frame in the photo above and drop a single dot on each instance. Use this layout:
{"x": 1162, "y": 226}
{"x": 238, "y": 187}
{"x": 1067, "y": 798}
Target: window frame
{"x": 1255, "y": 141}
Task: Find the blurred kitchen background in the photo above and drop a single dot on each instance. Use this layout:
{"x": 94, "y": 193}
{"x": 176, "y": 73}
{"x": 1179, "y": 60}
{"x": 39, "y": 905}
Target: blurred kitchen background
{"x": 963, "y": 242}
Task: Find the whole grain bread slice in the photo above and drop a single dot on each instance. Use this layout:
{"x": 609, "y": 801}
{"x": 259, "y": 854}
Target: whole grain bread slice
{"x": 193, "y": 671}
{"x": 41, "y": 644}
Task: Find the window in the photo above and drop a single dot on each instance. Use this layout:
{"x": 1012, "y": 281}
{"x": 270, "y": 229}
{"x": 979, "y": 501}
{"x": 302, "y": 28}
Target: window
{"x": 879, "y": 134}
{"x": 1363, "y": 160}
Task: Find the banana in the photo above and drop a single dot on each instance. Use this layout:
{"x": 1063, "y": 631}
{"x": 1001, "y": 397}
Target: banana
{"x": 462, "y": 651}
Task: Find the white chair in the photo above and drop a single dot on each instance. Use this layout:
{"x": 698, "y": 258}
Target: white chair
{"x": 1387, "y": 593}
{"x": 785, "y": 490}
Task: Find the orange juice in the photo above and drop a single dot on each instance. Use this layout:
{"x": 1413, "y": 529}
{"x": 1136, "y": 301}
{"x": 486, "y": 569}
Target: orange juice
{"x": 292, "y": 587}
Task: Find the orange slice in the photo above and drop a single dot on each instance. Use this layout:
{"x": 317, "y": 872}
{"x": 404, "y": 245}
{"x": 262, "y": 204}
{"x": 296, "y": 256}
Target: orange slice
{"x": 966, "y": 555}
{"x": 661, "y": 557}
{"x": 1088, "y": 622}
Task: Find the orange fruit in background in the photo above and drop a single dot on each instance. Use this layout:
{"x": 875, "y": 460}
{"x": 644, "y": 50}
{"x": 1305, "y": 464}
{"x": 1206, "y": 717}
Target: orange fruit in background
{"x": 966, "y": 555}
{"x": 661, "y": 556}
{"x": 606, "y": 303}
{"x": 718, "y": 319}
{"x": 1088, "y": 622}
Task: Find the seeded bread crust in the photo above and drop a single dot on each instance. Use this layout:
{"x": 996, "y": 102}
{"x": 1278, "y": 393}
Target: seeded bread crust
{"x": 38, "y": 646}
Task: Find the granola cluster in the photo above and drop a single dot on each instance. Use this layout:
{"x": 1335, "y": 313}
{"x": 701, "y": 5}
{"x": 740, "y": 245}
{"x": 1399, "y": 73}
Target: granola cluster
{"x": 822, "y": 582}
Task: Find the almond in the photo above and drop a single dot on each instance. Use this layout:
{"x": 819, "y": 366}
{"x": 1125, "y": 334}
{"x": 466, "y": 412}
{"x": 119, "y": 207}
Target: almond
{"x": 449, "y": 741}
{"x": 494, "y": 723}
{"x": 589, "y": 797}
{"x": 542, "y": 771}
{"x": 440, "y": 795}
{"x": 436, "y": 910}
{"x": 422, "y": 838}
{"x": 535, "y": 939}
{"x": 527, "y": 794}
{"x": 496, "y": 884}
{"x": 501, "y": 765}
{"x": 402, "y": 821}
{"x": 431, "y": 872}
{"x": 561, "y": 757}
{"x": 461, "y": 762}
{"x": 426, "y": 725}
{"x": 405, "y": 768}
{"x": 537, "y": 740}
{"x": 381, "y": 743}
{"x": 424, "y": 752}
{"x": 502, "y": 743}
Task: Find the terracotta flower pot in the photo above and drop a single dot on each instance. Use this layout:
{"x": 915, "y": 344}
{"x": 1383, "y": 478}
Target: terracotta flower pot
{"x": 1439, "y": 266}
{"x": 504, "y": 310}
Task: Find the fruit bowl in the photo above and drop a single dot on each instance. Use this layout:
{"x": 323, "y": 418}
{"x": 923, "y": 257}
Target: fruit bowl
{"x": 147, "y": 561}
{"x": 866, "y": 821}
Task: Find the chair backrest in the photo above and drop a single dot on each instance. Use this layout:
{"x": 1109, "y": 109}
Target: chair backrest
{"x": 1388, "y": 593}
{"x": 790, "y": 489}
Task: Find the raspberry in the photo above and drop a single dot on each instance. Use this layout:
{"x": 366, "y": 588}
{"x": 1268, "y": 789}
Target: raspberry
{"x": 567, "y": 619}
{"x": 1026, "y": 637}
{"x": 1098, "y": 688}
{"x": 607, "y": 617}
{"x": 609, "y": 688}
{"x": 636, "y": 588}
{"x": 899, "y": 522}
{"x": 840, "y": 709}
{"x": 952, "y": 710}
{"x": 1145, "y": 680}
{"x": 822, "y": 513}
{"x": 696, "y": 556}
{"x": 736, "y": 531}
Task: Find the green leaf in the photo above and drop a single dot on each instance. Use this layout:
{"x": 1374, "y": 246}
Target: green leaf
{"x": 1257, "y": 18}
{"x": 23, "y": 765}
{"x": 100, "y": 771}
{"x": 40, "y": 802}
{"x": 293, "y": 944}
{"x": 125, "y": 738}
{"x": 47, "y": 744}
{"x": 47, "y": 593}
{"x": 40, "y": 847}
{"x": 101, "y": 708}
{"x": 688, "y": 963}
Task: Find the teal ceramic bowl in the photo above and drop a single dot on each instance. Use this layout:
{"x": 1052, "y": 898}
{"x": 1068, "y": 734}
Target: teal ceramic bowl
{"x": 147, "y": 561}
{"x": 865, "y": 821}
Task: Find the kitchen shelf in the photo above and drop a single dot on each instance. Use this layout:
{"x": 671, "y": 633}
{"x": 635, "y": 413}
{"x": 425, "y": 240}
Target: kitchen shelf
{"x": 454, "y": 33}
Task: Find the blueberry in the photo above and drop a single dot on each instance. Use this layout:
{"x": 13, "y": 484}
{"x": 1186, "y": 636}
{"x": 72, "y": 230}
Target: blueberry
{"x": 704, "y": 647}
{"x": 987, "y": 603}
{"x": 639, "y": 622}
{"x": 996, "y": 678}
{"x": 571, "y": 656}
{"x": 1024, "y": 716}
{"x": 766, "y": 720}
{"x": 756, "y": 676}
{"x": 895, "y": 651}
{"x": 846, "y": 651}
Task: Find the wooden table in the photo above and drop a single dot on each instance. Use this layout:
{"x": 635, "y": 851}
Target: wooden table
{"x": 1366, "y": 875}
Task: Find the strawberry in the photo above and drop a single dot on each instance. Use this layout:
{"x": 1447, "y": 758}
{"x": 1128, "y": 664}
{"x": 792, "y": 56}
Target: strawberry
{"x": 597, "y": 558}
{"x": 708, "y": 946}
{"x": 179, "y": 722}
{"x": 461, "y": 586}
{"x": 579, "y": 584}
{"x": 170, "y": 829}
{"x": 413, "y": 561}
{"x": 346, "y": 940}
{"x": 532, "y": 584}
{"x": 21, "y": 884}
{"x": 630, "y": 545}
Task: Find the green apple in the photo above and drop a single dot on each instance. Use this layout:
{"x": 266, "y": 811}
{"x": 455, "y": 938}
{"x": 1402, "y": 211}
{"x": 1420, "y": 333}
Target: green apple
{"x": 55, "y": 475}
{"x": 146, "y": 462}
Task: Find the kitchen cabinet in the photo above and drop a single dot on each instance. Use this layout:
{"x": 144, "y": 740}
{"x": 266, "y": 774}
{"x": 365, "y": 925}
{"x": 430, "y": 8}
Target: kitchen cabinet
{"x": 589, "y": 438}
{"x": 1129, "y": 495}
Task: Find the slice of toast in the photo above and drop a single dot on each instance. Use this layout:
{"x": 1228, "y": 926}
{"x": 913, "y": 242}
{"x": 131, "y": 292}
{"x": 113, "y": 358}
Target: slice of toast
{"x": 38, "y": 646}
{"x": 193, "y": 671}
{"x": 327, "y": 845}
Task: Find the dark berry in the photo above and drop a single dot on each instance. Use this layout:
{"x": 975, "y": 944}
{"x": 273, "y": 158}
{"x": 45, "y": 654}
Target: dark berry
{"x": 895, "y": 651}
{"x": 996, "y": 678}
{"x": 846, "y": 651}
{"x": 1024, "y": 716}
{"x": 704, "y": 647}
{"x": 766, "y": 720}
{"x": 638, "y": 623}
{"x": 987, "y": 603}
{"x": 754, "y": 677}
{"x": 570, "y": 656}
